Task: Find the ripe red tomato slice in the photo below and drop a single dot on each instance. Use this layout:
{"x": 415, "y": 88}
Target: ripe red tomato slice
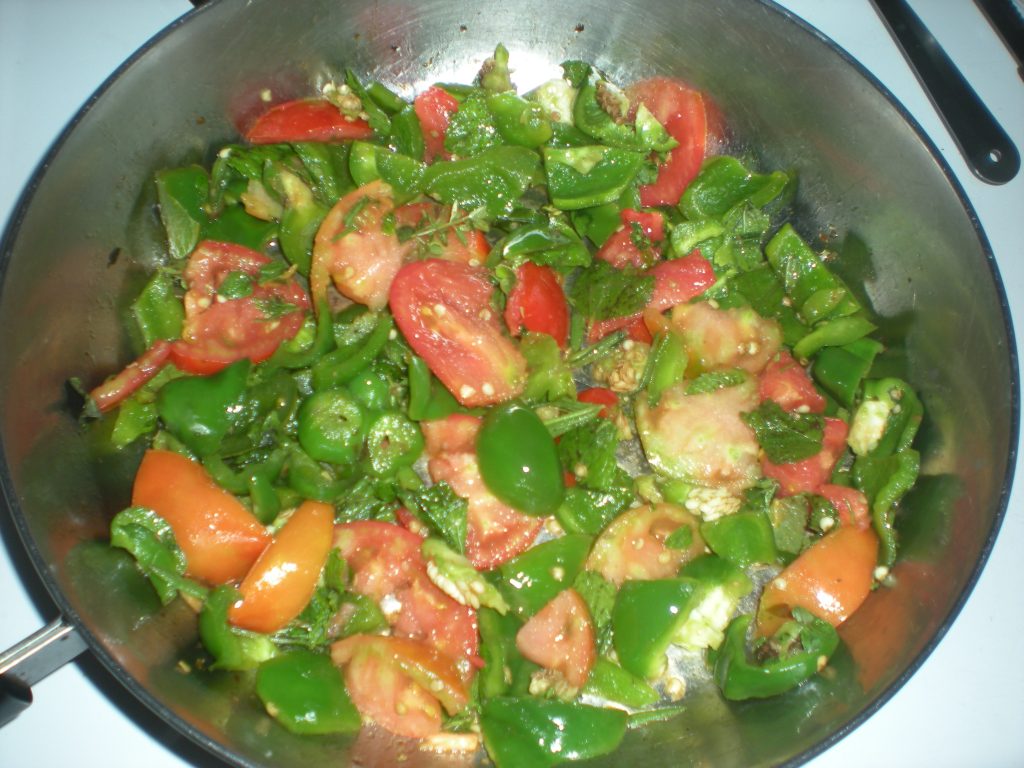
{"x": 809, "y": 475}
{"x": 851, "y": 504}
{"x": 434, "y": 108}
{"x": 560, "y": 637}
{"x": 786, "y": 382}
{"x": 637, "y": 242}
{"x": 121, "y": 386}
{"x": 675, "y": 281}
{"x": 681, "y": 110}
{"x": 220, "y": 538}
{"x": 830, "y": 579}
{"x": 537, "y": 304}
{"x": 385, "y": 560}
{"x": 306, "y": 120}
{"x": 219, "y": 331}
{"x": 352, "y": 249}
{"x": 495, "y": 532}
{"x": 600, "y": 396}
{"x": 283, "y": 579}
{"x": 443, "y": 309}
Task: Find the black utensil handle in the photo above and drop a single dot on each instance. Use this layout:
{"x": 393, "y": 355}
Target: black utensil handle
{"x": 26, "y": 663}
{"x": 986, "y": 147}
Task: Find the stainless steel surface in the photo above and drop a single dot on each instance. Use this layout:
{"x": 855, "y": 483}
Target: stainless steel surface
{"x": 41, "y": 654}
{"x": 863, "y": 167}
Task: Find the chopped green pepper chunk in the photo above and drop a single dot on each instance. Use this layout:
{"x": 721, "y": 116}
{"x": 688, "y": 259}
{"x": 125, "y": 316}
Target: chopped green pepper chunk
{"x": 305, "y": 692}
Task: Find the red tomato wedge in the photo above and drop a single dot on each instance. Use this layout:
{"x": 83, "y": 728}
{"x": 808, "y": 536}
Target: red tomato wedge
{"x": 495, "y": 532}
{"x": 385, "y": 560}
{"x": 443, "y": 309}
{"x": 399, "y": 683}
{"x": 352, "y": 249}
{"x": 283, "y": 579}
{"x": 537, "y": 304}
{"x": 786, "y": 382}
{"x": 221, "y": 539}
{"x": 809, "y": 475}
{"x": 560, "y": 637}
{"x": 434, "y": 108}
{"x": 637, "y": 242}
{"x": 600, "y": 396}
{"x": 633, "y": 544}
{"x": 851, "y": 504}
{"x": 306, "y": 120}
{"x": 675, "y": 281}
{"x": 681, "y": 110}
{"x": 218, "y": 331}
{"x": 123, "y": 385}
{"x": 830, "y": 579}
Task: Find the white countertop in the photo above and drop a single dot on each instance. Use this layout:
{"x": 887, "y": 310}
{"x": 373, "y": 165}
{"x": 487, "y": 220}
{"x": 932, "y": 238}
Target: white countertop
{"x": 965, "y": 706}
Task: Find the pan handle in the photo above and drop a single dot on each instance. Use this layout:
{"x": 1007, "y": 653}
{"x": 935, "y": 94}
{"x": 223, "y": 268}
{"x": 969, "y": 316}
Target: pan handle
{"x": 26, "y": 663}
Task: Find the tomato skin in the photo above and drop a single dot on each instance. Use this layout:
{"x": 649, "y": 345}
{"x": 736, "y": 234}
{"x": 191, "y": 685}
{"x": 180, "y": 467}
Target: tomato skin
{"x": 495, "y": 532}
{"x": 217, "y": 333}
{"x": 675, "y": 282}
{"x": 434, "y": 108}
{"x": 851, "y": 504}
{"x": 560, "y": 637}
{"x": 809, "y": 475}
{"x": 123, "y": 385}
{"x": 306, "y": 120}
{"x": 600, "y": 396}
{"x": 463, "y": 343}
{"x": 620, "y": 250}
{"x": 786, "y": 382}
{"x": 681, "y": 110}
{"x": 221, "y": 539}
{"x": 830, "y": 579}
{"x": 385, "y": 560}
{"x": 537, "y": 304}
{"x": 283, "y": 579}
{"x": 352, "y": 250}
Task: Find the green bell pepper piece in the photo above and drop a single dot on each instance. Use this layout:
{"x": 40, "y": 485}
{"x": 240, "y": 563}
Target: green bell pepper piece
{"x": 646, "y": 134}
{"x": 646, "y": 618}
{"x": 520, "y": 122}
{"x": 301, "y": 217}
{"x": 393, "y": 441}
{"x": 181, "y": 195}
{"x": 743, "y": 538}
{"x": 232, "y": 649}
{"x": 198, "y": 410}
{"x": 331, "y": 426}
{"x": 544, "y": 732}
{"x": 884, "y": 480}
{"x": 385, "y": 98}
{"x": 723, "y": 182}
{"x": 158, "y": 311}
{"x": 266, "y": 504}
{"x": 763, "y": 290}
{"x": 428, "y": 397}
{"x": 494, "y": 179}
{"x": 305, "y": 692}
{"x": 519, "y": 461}
{"x": 721, "y": 586}
{"x": 310, "y": 480}
{"x": 583, "y": 177}
{"x": 353, "y": 355}
{"x": 323, "y": 342}
{"x": 368, "y": 162}
{"x": 234, "y": 225}
{"x": 589, "y": 510}
{"x": 327, "y": 167}
{"x": 406, "y": 134}
{"x": 535, "y": 577}
{"x": 665, "y": 367}
{"x": 552, "y": 244}
{"x": 807, "y": 281}
{"x": 903, "y": 414}
{"x": 806, "y": 644}
{"x": 841, "y": 369}
{"x": 375, "y": 116}
{"x": 505, "y": 670}
{"x": 610, "y": 681}
{"x": 833, "y": 333}
{"x": 495, "y": 75}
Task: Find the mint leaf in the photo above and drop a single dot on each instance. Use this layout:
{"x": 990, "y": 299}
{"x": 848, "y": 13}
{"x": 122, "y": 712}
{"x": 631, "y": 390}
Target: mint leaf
{"x": 785, "y": 436}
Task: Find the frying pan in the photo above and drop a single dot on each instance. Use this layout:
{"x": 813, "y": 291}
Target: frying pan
{"x": 870, "y": 201}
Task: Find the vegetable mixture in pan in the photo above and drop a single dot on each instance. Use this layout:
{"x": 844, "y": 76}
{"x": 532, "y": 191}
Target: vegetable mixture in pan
{"x": 477, "y": 417}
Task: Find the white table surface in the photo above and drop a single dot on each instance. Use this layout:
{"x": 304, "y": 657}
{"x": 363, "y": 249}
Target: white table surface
{"x": 965, "y": 706}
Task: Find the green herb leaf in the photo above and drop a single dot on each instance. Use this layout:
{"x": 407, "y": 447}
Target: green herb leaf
{"x": 589, "y": 453}
{"x": 602, "y": 291}
{"x": 150, "y": 540}
{"x": 785, "y": 436}
{"x": 442, "y": 510}
{"x": 680, "y": 538}
{"x": 715, "y": 380}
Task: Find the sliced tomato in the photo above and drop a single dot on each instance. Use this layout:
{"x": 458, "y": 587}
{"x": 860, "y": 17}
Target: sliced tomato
{"x": 638, "y": 242}
{"x": 600, "y": 396}
{"x": 786, "y": 382}
{"x": 306, "y": 120}
{"x": 639, "y": 331}
{"x": 830, "y": 579}
{"x": 220, "y": 538}
{"x": 675, "y": 281}
{"x": 633, "y": 545}
{"x": 851, "y": 504}
{"x": 219, "y": 331}
{"x": 809, "y": 475}
{"x": 353, "y": 250}
{"x": 537, "y": 304}
{"x": 123, "y": 385}
{"x": 719, "y": 339}
{"x": 495, "y": 532}
{"x": 443, "y": 309}
{"x": 560, "y": 637}
{"x": 434, "y": 108}
{"x": 385, "y": 560}
{"x": 283, "y": 579}
{"x": 681, "y": 110}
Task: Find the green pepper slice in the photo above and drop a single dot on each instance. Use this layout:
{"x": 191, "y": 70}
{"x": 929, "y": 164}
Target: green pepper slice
{"x": 610, "y": 681}
{"x": 743, "y": 538}
{"x": 646, "y": 617}
{"x": 393, "y": 441}
{"x": 232, "y": 649}
{"x": 305, "y": 692}
{"x": 519, "y": 461}
{"x": 331, "y": 426}
{"x": 532, "y": 579}
{"x": 198, "y": 409}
